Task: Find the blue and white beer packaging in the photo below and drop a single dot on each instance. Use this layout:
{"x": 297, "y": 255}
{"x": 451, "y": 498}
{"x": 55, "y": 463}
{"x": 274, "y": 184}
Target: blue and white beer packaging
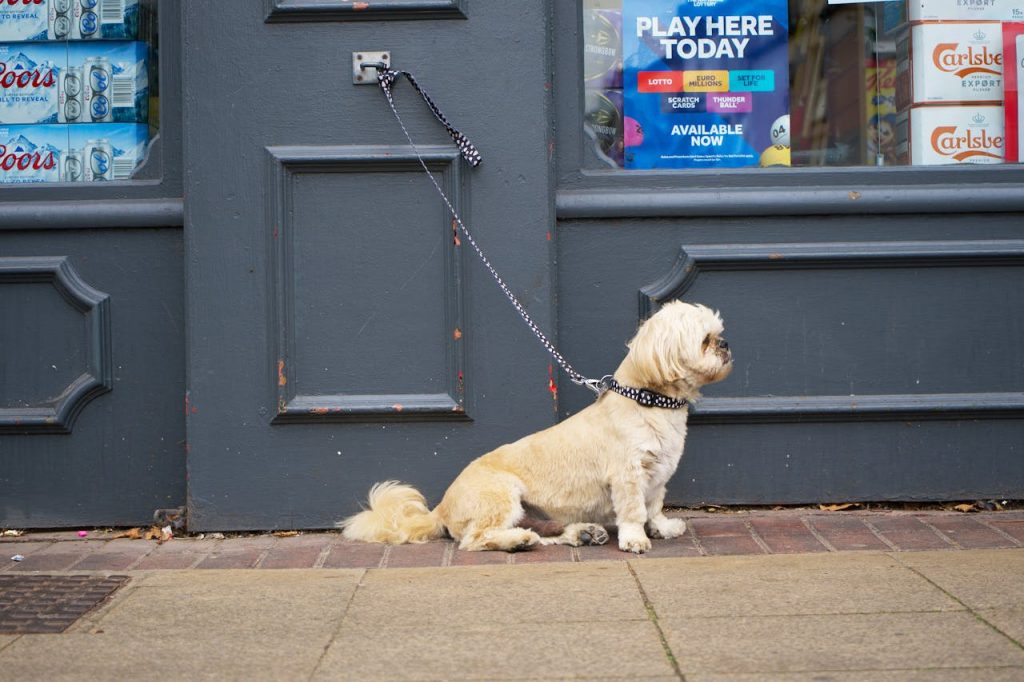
{"x": 705, "y": 83}
{"x": 39, "y": 20}
{"x": 28, "y": 81}
{"x": 84, "y": 82}
{"x": 93, "y": 152}
{"x": 24, "y": 20}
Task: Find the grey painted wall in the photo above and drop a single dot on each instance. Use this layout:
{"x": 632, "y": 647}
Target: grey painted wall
{"x": 874, "y": 313}
{"x": 887, "y": 367}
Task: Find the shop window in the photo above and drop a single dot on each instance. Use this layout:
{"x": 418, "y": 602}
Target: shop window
{"x": 712, "y": 84}
{"x": 79, "y": 94}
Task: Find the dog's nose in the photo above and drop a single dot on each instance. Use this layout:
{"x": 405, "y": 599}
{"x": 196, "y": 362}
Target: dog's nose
{"x": 723, "y": 344}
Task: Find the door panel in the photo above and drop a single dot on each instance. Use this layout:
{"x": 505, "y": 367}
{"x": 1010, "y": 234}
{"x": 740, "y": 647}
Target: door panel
{"x": 91, "y": 376}
{"x": 338, "y": 333}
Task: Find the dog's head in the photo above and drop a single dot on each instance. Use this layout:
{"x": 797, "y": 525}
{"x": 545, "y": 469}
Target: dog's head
{"x": 680, "y": 345}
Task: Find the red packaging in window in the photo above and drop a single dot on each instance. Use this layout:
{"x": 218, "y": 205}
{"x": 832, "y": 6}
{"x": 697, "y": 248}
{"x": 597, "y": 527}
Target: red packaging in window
{"x": 1013, "y": 106}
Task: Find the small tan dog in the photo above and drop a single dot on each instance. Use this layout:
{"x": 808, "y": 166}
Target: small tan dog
{"x": 608, "y": 463}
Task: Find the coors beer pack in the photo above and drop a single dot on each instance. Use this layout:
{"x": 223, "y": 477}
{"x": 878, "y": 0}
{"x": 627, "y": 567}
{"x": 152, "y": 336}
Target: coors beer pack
{"x": 95, "y": 152}
{"x": 40, "y": 20}
{"x": 84, "y": 82}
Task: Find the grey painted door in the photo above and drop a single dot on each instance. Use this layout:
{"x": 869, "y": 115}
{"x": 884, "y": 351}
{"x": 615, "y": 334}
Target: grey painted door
{"x": 338, "y": 332}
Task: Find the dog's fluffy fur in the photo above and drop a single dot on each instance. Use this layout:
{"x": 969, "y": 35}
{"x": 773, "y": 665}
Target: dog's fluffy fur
{"x": 607, "y": 464}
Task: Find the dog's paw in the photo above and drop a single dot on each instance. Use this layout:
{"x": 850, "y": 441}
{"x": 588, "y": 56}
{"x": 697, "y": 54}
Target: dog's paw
{"x": 527, "y": 542}
{"x": 632, "y": 538}
{"x": 635, "y": 545}
{"x": 592, "y": 534}
{"x": 667, "y": 528}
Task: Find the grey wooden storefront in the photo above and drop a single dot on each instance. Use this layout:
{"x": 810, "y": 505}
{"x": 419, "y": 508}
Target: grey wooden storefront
{"x": 280, "y": 314}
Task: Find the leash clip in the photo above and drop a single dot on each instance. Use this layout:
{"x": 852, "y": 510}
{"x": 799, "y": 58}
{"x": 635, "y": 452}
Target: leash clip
{"x": 598, "y": 386}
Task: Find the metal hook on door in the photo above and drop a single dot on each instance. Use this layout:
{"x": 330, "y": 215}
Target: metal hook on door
{"x": 366, "y": 64}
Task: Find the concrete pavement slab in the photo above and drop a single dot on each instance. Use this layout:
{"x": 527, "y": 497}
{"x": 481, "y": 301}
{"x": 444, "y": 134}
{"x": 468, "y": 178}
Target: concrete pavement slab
{"x": 786, "y": 585}
{"x": 197, "y": 625}
{"x": 151, "y": 656}
{"x": 981, "y": 579}
{"x": 1008, "y": 621}
{"x": 599, "y": 591}
{"x": 870, "y": 642}
{"x": 926, "y": 675}
{"x": 494, "y": 652}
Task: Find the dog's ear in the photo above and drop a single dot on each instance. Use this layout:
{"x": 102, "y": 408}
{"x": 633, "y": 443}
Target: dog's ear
{"x": 663, "y": 347}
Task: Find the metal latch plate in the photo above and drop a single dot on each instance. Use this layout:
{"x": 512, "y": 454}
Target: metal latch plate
{"x": 368, "y": 75}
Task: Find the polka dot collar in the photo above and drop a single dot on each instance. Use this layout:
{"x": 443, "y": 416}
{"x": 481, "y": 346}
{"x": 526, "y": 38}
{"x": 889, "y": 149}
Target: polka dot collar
{"x": 643, "y": 396}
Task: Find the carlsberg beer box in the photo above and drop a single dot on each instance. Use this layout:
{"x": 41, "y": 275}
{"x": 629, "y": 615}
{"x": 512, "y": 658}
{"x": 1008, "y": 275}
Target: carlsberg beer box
{"x": 68, "y": 19}
{"x": 83, "y": 82}
{"x": 937, "y": 135}
{"x": 951, "y": 62}
{"x": 94, "y": 152}
{"x": 965, "y": 10}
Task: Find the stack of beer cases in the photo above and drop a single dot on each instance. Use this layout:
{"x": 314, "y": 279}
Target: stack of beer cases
{"x": 74, "y": 90}
{"x": 950, "y": 81}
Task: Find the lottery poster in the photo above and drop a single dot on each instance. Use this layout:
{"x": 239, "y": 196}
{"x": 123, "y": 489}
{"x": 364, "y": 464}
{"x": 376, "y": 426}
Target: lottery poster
{"x": 705, "y": 83}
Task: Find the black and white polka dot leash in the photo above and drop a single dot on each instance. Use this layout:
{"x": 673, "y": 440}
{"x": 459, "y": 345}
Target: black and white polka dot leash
{"x": 386, "y": 79}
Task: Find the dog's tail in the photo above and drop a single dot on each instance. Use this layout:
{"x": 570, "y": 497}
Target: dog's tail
{"x": 396, "y": 514}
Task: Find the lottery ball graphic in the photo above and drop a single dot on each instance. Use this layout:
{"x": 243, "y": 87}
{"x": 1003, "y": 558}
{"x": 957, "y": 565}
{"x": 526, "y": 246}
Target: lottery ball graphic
{"x": 776, "y": 155}
{"x": 780, "y": 131}
{"x": 633, "y": 133}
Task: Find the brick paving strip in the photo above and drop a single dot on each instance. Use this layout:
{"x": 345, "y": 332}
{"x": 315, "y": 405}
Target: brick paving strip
{"x": 754, "y": 532}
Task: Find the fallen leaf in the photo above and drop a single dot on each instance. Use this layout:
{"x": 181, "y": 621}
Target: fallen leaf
{"x": 285, "y": 533}
{"x": 153, "y": 533}
{"x": 838, "y": 507}
{"x": 131, "y": 534}
{"x": 11, "y": 533}
{"x": 965, "y": 508}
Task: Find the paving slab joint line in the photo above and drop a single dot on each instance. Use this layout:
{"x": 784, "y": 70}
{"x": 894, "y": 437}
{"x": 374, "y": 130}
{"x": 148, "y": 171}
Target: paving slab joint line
{"x": 337, "y": 630}
{"x": 138, "y": 559}
{"x": 978, "y": 616}
{"x": 1000, "y": 531}
{"x": 652, "y": 616}
{"x": 321, "y": 558}
{"x": 210, "y": 552}
{"x": 85, "y": 555}
{"x": 758, "y": 540}
{"x": 261, "y": 558}
{"x": 948, "y": 539}
{"x": 878, "y": 534}
{"x": 385, "y": 555}
{"x": 15, "y": 639}
{"x": 817, "y": 536}
{"x": 696, "y": 540}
